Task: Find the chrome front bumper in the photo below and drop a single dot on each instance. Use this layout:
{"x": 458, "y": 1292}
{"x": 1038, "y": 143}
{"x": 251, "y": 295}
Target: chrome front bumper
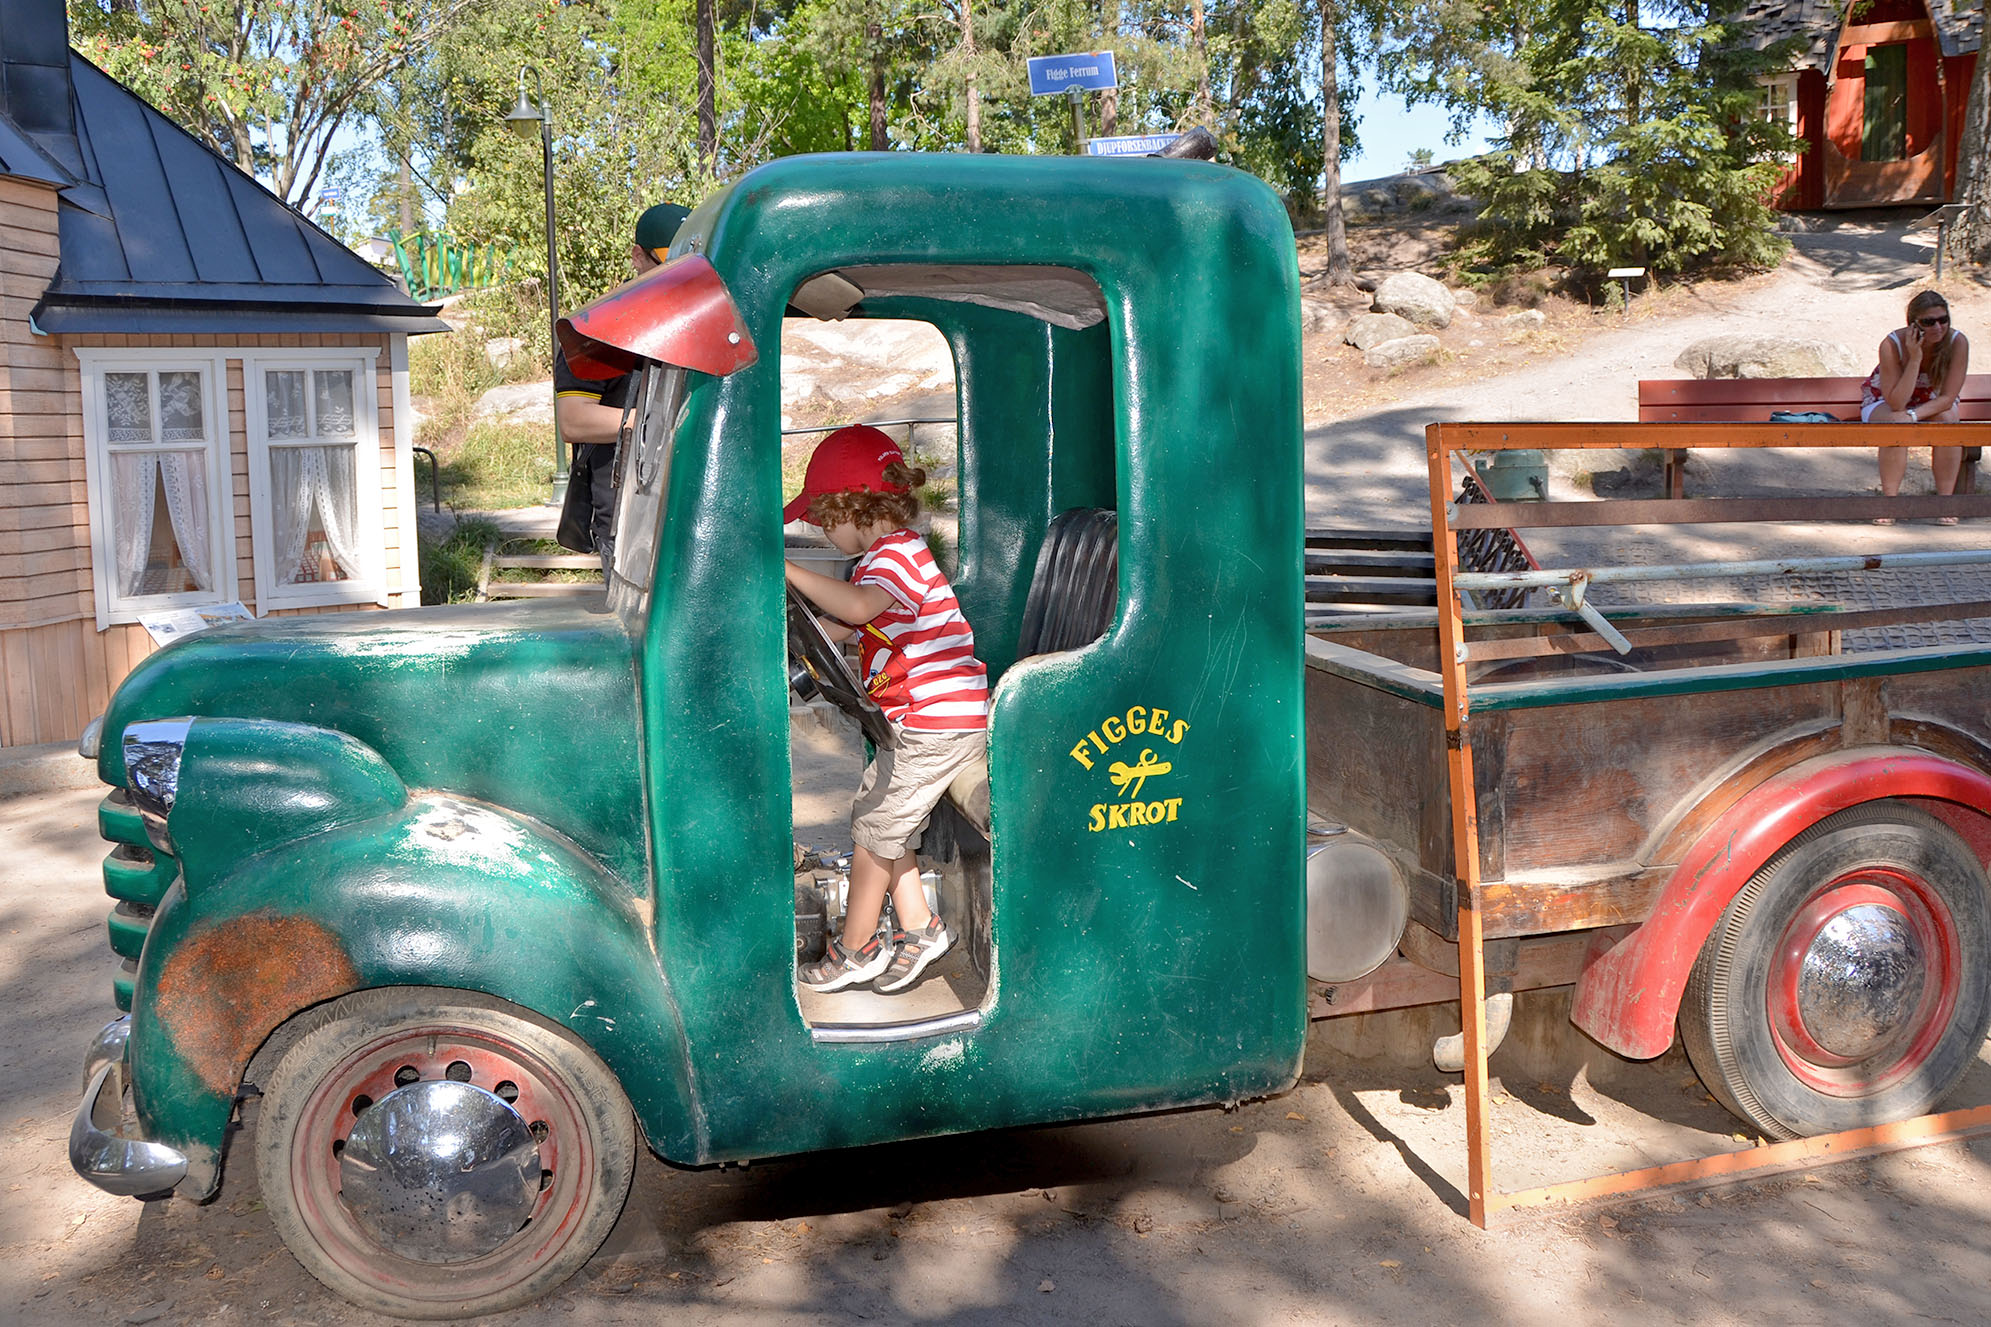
{"x": 102, "y": 1148}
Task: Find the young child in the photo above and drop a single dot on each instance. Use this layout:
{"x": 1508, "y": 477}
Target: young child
{"x": 918, "y": 662}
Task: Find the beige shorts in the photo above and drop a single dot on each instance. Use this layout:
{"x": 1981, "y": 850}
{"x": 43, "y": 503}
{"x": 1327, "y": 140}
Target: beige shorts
{"x": 902, "y": 785}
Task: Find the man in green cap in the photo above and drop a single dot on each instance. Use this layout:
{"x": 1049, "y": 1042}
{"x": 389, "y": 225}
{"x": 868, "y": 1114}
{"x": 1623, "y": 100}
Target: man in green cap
{"x": 590, "y": 413}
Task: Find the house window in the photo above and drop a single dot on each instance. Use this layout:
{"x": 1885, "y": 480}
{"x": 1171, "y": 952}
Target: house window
{"x": 314, "y": 476}
{"x": 157, "y": 472}
{"x": 1777, "y": 103}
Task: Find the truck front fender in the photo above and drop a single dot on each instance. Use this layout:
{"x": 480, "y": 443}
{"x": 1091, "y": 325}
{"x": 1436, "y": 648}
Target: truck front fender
{"x": 440, "y": 893}
{"x": 1629, "y": 997}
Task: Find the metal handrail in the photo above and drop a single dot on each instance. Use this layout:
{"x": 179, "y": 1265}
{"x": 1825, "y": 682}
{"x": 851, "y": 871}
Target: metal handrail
{"x": 435, "y": 478}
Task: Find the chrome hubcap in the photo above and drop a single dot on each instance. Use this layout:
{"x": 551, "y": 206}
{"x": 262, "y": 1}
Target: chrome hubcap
{"x": 1861, "y": 980}
{"x": 440, "y": 1171}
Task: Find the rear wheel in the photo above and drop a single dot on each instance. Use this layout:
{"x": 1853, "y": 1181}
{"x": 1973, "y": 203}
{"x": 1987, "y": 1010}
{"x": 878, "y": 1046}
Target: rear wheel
{"x": 440, "y": 1154}
{"x": 1847, "y": 983}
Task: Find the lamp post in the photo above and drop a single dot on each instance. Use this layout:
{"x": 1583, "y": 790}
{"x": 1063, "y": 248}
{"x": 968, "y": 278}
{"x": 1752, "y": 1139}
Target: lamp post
{"x": 523, "y": 118}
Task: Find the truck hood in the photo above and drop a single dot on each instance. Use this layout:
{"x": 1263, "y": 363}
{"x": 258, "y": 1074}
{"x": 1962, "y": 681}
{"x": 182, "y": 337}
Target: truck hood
{"x": 529, "y": 706}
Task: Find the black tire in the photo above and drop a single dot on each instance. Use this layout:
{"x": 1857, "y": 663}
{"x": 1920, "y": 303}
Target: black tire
{"x": 343, "y": 1048}
{"x": 1847, "y": 983}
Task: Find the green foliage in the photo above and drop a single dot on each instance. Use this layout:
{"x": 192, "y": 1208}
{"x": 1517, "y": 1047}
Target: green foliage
{"x": 1631, "y": 136}
{"x": 268, "y": 84}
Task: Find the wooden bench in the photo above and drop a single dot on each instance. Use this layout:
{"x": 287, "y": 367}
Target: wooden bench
{"x": 1677, "y": 400}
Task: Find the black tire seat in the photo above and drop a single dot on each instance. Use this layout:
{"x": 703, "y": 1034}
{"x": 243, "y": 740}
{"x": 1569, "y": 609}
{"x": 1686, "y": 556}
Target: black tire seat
{"x": 1073, "y": 596}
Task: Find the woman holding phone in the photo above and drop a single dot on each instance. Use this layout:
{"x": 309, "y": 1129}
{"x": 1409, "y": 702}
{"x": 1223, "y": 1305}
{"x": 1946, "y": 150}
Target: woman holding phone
{"x": 1920, "y": 375}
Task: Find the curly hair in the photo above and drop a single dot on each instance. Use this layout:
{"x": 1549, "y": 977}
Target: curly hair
{"x": 862, "y": 508}
{"x": 1938, "y": 366}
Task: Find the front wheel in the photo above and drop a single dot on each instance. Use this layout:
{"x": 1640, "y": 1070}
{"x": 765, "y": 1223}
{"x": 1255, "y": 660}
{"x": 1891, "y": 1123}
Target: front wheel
{"x": 440, "y": 1154}
{"x": 1847, "y": 983}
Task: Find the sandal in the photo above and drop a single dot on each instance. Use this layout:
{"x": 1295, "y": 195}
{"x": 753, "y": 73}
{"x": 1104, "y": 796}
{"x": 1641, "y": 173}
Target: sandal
{"x": 915, "y": 951}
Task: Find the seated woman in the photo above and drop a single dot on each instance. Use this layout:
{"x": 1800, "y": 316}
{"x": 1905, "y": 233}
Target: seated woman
{"x": 1920, "y": 375}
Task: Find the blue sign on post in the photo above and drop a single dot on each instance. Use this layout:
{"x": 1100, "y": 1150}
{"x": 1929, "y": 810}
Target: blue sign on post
{"x": 1129, "y": 145}
{"x": 1092, "y": 72}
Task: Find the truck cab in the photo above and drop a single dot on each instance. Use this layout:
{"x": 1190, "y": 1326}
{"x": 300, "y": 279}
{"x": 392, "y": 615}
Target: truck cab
{"x": 474, "y": 898}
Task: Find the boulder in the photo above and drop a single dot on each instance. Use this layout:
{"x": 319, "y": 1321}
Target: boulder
{"x": 503, "y": 350}
{"x": 1416, "y": 297}
{"x": 1366, "y": 331}
{"x": 1315, "y": 316}
{"x": 517, "y": 403}
{"x": 1525, "y": 319}
{"x": 1403, "y": 352}
{"x": 1768, "y": 355}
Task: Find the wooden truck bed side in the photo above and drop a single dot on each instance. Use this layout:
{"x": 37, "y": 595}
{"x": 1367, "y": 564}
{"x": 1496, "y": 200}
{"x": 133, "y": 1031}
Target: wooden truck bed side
{"x": 1591, "y": 787}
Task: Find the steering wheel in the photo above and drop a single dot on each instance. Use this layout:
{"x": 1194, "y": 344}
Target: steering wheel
{"x": 816, "y": 667}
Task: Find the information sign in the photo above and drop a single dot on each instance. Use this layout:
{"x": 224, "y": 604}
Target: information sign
{"x": 1129, "y": 145}
{"x": 1086, "y": 71}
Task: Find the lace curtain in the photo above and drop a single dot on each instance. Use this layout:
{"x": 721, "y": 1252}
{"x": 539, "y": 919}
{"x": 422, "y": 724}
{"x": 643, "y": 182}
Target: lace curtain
{"x": 307, "y": 480}
{"x": 312, "y": 485}
{"x": 137, "y": 477}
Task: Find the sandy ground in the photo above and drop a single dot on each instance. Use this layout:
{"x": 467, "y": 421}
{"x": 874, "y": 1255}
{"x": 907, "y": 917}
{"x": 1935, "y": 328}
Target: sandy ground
{"x": 1338, "y": 1202}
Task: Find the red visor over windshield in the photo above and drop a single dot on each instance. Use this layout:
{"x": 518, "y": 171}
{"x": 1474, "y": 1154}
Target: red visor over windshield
{"x": 679, "y": 313}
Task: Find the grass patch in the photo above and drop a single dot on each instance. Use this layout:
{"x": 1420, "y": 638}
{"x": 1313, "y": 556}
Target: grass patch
{"x": 494, "y": 464}
{"x": 450, "y": 565}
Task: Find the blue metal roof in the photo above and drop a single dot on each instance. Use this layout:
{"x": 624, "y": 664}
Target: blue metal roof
{"x": 22, "y": 157}
{"x": 162, "y": 235}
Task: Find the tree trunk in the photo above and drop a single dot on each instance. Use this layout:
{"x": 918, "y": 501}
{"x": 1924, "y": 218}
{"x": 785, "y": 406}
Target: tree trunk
{"x": 1109, "y": 99}
{"x": 1340, "y": 270}
{"x": 708, "y": 91}
{"x": 407, "y": 197}
{"x": 874, "y": 36}
{"x": 1199, "y": 54}
{"x": 974, "y": 94}
{"x": 1970, "y": 237}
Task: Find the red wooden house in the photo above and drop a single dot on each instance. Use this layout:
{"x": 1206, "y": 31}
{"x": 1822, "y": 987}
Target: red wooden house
{"x": 1877, "y": 92}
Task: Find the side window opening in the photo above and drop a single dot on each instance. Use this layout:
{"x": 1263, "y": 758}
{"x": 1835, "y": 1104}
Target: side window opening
{"x": 1018, "y": 362}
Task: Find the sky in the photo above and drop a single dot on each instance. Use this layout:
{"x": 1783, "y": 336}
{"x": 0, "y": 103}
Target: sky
{"x": 1392, "y": 130}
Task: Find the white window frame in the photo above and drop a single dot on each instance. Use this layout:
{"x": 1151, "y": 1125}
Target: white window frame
{"x": 212, "y": 365}
{"x": 370, "y": 585}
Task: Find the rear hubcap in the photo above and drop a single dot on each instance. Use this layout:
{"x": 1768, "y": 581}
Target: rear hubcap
{"x": 1862, "y": 982}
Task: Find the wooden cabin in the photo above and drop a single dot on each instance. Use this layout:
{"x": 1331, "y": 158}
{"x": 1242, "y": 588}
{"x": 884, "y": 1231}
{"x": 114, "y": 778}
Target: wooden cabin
{"x": 1877, "y": 91}
{"x": 205, "y": 397}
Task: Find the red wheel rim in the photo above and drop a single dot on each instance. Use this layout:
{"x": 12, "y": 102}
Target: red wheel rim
{"x": 539, "y": 1093}
{"x": 1905, "y": 902}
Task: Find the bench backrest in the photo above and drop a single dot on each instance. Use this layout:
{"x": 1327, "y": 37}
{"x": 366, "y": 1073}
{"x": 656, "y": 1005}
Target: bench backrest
{"x": 1664, "y": 400}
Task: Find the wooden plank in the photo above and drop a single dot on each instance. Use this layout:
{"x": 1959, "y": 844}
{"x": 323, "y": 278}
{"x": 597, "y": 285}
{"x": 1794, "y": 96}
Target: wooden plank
{"x": 551, "y": 561}
{"x": 1793, "y": 748}
{"x": 573, "y": 590}
{"x": 1593, "y": 787}
{"x": 1476, "y": 436}
{"x": 1561, "y": 642}
{"x": 1709, "y": 511}
{"x": 1527, "y": 906}
{"x": 1715, "y": 391}
{"x": 17, "y": 677}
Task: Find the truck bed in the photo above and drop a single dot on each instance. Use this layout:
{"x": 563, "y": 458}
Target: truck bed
{"x": 1594, "y": 774}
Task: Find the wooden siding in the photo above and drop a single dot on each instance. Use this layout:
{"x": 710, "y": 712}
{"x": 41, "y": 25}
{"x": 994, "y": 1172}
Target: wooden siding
{"x": 57, "y": 670}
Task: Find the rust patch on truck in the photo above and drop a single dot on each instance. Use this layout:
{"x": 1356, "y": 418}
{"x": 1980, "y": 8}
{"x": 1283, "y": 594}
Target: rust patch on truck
{"x": 226, "y": 988}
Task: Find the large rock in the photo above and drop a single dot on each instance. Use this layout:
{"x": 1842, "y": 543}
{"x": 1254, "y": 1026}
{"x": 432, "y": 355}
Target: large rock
{"x": 517, "y": 403}
{"x": 1416, "y": 297}
{"x": 1402, "y": 352}
{"x": 1768, "y": 355}
{"x": 1315, "y": 315}
{"x": 1366, "y": 331}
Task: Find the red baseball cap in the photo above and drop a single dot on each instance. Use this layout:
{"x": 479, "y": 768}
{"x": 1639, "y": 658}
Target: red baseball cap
{"x": 850, "y": 460}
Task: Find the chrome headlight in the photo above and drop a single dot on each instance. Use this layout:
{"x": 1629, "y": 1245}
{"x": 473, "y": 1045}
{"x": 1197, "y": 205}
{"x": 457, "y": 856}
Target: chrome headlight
{"x": 92, "y": 738}
{"x": 152, "y": 769}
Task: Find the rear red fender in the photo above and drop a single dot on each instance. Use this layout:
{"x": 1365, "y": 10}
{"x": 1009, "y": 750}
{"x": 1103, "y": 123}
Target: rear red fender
{"x": 679, "y": 313}
{"x": 1628, "y": 999}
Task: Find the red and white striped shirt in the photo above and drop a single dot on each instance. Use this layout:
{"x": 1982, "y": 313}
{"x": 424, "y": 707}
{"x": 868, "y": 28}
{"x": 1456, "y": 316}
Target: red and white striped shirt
{"x": 918, "y": 655}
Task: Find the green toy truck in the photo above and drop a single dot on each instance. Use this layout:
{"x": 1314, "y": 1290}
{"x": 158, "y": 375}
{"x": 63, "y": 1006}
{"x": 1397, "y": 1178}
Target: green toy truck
{"x": 479, "y": 899}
